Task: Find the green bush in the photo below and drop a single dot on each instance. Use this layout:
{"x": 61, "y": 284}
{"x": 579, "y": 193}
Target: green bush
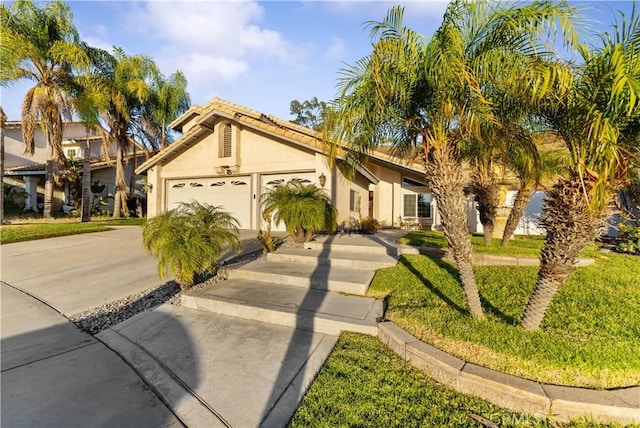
{"x": 304, "y": 209}
{"x": 14, "y": 199}
{"x": 190, "y": 239}
{"x": 629, "y": 237}
{"x": 369, "y": 225}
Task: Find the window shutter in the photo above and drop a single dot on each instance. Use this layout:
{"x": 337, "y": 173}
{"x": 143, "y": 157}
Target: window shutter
{"x": 226, "y": 146}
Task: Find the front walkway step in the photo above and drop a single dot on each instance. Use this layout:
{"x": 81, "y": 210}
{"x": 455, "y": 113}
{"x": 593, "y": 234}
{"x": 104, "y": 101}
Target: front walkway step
{"x": 370, "y": 244}
{"x": 334, "y": 258}
{"x": 320, "y": 311}
{"x": 321, "y": 277}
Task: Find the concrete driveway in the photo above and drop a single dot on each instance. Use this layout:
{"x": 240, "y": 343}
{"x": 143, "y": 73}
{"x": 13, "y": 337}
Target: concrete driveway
{"x": 170, "y": 366}
{"x": 80, "y": 272}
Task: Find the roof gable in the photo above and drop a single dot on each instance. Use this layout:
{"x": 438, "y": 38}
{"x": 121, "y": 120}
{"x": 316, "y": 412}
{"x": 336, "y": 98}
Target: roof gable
{"x": 206, "y": 116}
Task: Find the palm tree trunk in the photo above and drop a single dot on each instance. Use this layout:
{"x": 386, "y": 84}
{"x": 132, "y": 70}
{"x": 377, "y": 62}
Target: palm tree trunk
{"x": 86, "y": 184}
{"x": 120, "y": 202}
{"x": 570, "y": 226}
{"x": 447, "y": 185}
{"x": 517, "y": 211}
{"x": 3, "y": 118}
{"x": 48, "y": 188}
{"x": 485, "y": 189}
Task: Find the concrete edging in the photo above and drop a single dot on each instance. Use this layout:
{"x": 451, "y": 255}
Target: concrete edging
{"x": 511, "y": 392}
{"x": 483, "y": 259}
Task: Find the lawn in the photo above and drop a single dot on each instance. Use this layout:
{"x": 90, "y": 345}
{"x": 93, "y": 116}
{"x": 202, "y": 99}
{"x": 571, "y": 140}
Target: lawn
{"x": 363, "y": 383}
{"x": 520, "y": 245}
{"x": 38, "y": 229}
{"x": 590, "y": 335}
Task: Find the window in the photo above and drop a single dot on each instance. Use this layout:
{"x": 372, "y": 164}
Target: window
{"x": 417, "y": 205}
{"x": 72, "y": 153}
{"x": 226, "y": 141}
{"x": 353, "y": 200}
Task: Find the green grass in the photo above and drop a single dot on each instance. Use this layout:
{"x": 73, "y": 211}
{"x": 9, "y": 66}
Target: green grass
{"x": 49, "y": 229}
{"x": 364, "y": 384}
{"x": 520, "y": 245}
{"x": 590, "y": 334}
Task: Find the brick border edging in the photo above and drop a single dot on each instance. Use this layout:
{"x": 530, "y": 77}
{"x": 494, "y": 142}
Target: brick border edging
{"x": 511, "y": 392}
{"x": 481, "y": 259}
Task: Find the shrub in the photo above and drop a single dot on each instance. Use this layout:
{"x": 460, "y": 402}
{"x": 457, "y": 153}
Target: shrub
{"x": 629, "y": 237}
{"x": 14, "y": 199}
{"x": 304, "y": 209}
{"x": 190, "y": 240}
{"x": 369, "y": 225}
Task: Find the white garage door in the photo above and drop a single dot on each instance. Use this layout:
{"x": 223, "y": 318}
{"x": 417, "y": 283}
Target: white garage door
{"x": 232, "y": 194}
{"x": 269, "y": 181}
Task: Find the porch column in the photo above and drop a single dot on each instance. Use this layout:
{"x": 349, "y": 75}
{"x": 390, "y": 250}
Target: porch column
{"x": 31, "y": 188}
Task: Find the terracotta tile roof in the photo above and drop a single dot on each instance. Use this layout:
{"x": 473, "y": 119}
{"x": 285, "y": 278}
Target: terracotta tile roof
{"x": 257, "y": 120}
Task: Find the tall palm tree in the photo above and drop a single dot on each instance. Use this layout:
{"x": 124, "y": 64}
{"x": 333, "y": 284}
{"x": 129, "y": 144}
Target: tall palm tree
{"x": 42, "y": 44}
{"x": 599, "y": 122}
{"x": 118, "y": 91}
{"x": 424, "y": 97}
{"x": 170, "y": 99}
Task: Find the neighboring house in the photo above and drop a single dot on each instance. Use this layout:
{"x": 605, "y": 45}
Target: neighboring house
{"x": 230, "y": 155}
{"x": 28, "y": 172}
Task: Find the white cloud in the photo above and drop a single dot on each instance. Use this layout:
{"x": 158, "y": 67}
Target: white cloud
{"x": 213, "y": 43}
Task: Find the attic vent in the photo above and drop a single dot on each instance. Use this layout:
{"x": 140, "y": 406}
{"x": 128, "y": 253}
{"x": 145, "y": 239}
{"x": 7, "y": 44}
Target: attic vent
{"x": 226, "y": 144}
{"x": 196, "y": 184}
{"x": 238, "y": 183}
{"x": 217, "y": 183}
{"x": 274, "y": 182}
{"x": 178, "y": 186}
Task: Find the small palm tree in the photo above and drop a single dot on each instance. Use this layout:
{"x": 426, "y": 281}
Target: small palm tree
{"x": 304, "y": 209}
{"x": 190, "y": 240}
{"x": 599, "y": 123}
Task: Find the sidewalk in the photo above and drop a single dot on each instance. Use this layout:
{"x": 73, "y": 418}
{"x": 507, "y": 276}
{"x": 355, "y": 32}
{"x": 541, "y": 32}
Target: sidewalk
{"x": 55, "y": 375}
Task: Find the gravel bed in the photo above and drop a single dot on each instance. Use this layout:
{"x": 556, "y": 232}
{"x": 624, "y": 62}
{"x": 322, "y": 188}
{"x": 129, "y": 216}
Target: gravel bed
{"x": 93, "y": 321}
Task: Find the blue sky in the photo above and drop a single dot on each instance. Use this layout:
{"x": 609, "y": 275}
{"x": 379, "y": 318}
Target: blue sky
{"x": 258, "y": 54}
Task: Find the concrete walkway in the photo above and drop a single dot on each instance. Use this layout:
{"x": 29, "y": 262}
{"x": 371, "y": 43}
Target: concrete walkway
{"x": 164, "y": 367}
{"x": 55, "y": 375}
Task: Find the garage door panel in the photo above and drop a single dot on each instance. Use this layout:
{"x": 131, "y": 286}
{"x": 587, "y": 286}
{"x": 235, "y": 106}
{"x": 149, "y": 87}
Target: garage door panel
{"x": 272, "y": 180}
{"x": 231, "y": 195}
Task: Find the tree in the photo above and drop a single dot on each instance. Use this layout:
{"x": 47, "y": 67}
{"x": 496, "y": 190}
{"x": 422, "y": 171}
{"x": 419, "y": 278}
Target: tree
{"x": 599, "y": 122}
{"x": 530, "y": 170}
{"x": 42, "y": 44}
{"x": 423, "y": 98}
{"x": 169, "y": 100}
{"x": 309, "y": 113}
{"x": 117, "y": 91}
{"x": 304, "y": 209}
{"x": 190, "y": 240}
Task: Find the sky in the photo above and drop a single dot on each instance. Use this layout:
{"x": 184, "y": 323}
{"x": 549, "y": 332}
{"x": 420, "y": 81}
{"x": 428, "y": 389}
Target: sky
{"x": 259, "y": 54}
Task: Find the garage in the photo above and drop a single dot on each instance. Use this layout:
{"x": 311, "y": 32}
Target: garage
{"x": 271, "y": 180}
{"x": 232, "y": 194}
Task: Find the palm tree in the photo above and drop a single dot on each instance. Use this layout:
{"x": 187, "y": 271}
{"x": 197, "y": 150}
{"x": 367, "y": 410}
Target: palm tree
{"x": 170, "y": 99}
{"x": 599, "y": 122}
{"x": 42, "y": 44}
{"x": 531, "y": 169}
{"x": 117, "y": 92}
{"x": 190, "y": 239}
{"x": 304, "y": 209}
{"x": 423, "y": 98}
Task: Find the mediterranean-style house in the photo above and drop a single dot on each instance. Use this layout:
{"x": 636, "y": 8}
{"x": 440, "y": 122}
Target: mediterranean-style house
{"x": 229, "y": 155}
{"x": 28, "y": 172}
